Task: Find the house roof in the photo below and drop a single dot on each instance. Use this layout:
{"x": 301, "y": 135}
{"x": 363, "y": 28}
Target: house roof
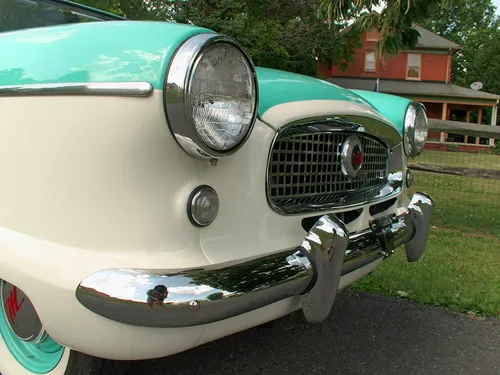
{"x": 428, "y": 39}
{"x": 409, "y": 88}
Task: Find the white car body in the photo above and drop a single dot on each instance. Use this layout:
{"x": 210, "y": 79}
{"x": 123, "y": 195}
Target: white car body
{"x": 94, "y": 189}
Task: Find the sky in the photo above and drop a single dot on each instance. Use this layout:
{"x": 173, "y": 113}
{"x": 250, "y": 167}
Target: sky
{"x": 497, "y": 3}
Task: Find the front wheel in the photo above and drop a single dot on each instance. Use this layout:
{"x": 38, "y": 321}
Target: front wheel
{"x": 26, "y": 349}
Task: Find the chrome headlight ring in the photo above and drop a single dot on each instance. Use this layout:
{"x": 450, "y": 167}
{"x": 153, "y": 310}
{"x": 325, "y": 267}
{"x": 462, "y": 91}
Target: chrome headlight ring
{"x": 416, "y": 127}
{"x": 199, "y": 140}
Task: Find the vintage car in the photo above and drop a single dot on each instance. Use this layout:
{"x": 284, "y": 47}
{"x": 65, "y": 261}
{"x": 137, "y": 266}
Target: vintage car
{"x": 158, "y": 191}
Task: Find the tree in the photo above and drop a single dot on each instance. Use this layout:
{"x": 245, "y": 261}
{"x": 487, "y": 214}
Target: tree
{"x": 473, "y": 25}
{"x": 460, "y": 19}
{"x": 281, "y": 34}
{"x": 290, "y": 35}
{"x": 479, "y": 60}
{"x": 394, "y": 23}
{"x": 131, "y": 9}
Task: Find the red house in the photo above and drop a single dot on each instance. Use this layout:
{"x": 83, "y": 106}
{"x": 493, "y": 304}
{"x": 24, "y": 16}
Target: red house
{"x": 422, "y": 74}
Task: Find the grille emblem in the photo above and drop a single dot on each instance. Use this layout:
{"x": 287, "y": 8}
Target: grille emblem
{"x": 351, "y": 156}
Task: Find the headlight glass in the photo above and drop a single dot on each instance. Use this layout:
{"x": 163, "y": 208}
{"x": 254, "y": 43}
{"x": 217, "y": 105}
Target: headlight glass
{"x": 416, "y": 129}
{"x": 221, "y": 97}
{"x": 203, "y": 206}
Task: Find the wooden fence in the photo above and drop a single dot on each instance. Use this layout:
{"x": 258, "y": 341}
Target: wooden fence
{"x": 464, "y": 128}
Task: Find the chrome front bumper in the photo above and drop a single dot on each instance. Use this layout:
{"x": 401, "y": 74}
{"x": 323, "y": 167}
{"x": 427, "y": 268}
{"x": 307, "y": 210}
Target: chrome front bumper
{"x": 160, "y": 298}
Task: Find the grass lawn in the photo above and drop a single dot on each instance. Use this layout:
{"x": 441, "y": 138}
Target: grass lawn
{"x": 464, "y": 203}
{"x": 459, "y": 159}
{"x": 460, "y": 268}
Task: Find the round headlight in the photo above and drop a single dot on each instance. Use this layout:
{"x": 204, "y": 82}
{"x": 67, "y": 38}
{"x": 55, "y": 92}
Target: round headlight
{"x": 415, "y": 131}
{"x": 211, "y": 96}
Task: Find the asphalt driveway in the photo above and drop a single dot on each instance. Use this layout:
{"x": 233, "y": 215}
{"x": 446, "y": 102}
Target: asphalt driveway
{"x": 366, "y": 334}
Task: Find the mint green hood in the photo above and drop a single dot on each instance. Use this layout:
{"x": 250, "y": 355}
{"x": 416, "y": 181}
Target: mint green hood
{"x": 111, "y": 51}
{"x": 391, "y": 107}
{"x": 278, "y": 87}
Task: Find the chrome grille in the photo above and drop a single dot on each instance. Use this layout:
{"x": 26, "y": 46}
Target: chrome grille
{"x": 304, "y": 171}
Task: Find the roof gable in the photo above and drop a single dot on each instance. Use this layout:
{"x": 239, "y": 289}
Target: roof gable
{"x": 428, "y": 39}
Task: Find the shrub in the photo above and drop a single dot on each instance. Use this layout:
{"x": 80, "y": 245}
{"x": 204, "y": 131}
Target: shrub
{"x": 496, "y": 149}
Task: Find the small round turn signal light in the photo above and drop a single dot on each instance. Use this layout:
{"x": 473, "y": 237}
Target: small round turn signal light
{"x": 203, "y": 206}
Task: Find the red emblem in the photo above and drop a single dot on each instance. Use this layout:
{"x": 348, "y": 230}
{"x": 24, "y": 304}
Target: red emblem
{"x": 12, "y": 305}
{"x": 357, "y": 157}
{"x": 351, "y": 156}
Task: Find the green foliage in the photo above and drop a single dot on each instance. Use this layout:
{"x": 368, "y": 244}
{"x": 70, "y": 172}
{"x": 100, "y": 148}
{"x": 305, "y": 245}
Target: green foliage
{"x": 280, "y": 34}
{"x": 479, "y": 60}
{"x": 132, "y": 9}
{"x": 460, "y": 19}
{"x": 474, "y": 25}
{"x": 496, "y": 148}
{"x": 452, "y": 147}
{"x": 291, "y": 35}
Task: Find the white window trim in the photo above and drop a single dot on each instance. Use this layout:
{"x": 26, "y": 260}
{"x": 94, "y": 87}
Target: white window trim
{"x": 419, "y": 78}
{"x": 374, "y": 62}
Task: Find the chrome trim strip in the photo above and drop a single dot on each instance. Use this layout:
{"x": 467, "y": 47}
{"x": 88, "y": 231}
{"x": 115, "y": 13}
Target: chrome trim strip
{"x": 183, "y": 298}
{"x": 136, "y": 89}
{"x": 374, "y": 127}
{"x": 177, "y": 83}
{"x": 390, "y": 190}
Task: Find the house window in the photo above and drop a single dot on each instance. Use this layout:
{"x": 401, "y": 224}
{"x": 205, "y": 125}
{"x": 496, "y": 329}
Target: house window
{"x": 369, "y": 61}
{"x": 372, "y": 35}
{"x": 413, "y": 69}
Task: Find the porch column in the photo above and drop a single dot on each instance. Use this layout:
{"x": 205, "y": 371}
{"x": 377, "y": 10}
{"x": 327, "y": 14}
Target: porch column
{"x": 444, "y": 116}
{"x": 467, "y": 119}
{"x": 494, "y": 114}
{"x": 479, "y": 120}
